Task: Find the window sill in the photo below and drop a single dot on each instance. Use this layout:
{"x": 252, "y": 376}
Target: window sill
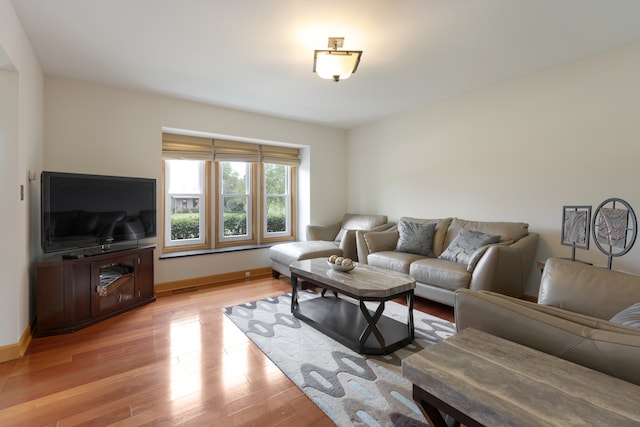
{"x": 170, "y": 255}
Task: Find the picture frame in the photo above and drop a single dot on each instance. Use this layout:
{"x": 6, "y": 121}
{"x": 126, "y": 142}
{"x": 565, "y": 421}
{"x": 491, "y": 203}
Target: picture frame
{"x": 614, "y": 228}
{"x": 576, "y": 223}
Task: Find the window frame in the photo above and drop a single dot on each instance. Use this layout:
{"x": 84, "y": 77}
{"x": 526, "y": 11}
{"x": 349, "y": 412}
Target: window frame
{"x": 291, "y": 194}
{"x": 213, "y": 152}
{"x": 205, "y": 204}
{"x": 250, "y": 239}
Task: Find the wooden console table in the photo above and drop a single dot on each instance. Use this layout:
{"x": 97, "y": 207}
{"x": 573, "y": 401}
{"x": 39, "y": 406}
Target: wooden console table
{"x": 483, "y": 380}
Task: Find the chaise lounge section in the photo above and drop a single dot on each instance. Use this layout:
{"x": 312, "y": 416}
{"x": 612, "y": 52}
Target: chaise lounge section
{"x": 447, "y": 254}
{"x": 325, "y": 240}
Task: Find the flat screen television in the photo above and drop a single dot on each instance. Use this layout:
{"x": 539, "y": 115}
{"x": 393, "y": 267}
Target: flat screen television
{"x": 81, "y": 211}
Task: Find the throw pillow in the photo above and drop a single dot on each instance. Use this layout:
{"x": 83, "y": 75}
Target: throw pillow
{"x": 463, "y": 246}
{"x": 416, "y": 238}
{"x": 630, "y": 316}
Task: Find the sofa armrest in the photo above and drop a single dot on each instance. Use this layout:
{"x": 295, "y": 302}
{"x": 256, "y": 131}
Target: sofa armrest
{"x": 348, "y": 245}
{"x": 361, "y": 247}
{"x": 505, "y": 268}
{"x": 323, "y": 232}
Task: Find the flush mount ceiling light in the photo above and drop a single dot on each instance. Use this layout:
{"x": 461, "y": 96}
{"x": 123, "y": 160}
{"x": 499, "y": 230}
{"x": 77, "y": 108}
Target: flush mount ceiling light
{"x": 336, "y": 64}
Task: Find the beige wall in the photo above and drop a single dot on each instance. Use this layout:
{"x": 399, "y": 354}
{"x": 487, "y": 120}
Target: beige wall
{"x": 518, "y": 152}
{"x": 102, "y": 130}
{"x": 20, "y": 151}
{"x": 9, "y": 280}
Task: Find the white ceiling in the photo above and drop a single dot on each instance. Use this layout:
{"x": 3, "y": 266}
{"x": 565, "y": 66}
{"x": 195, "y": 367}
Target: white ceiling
{"x": 257, "y": 55}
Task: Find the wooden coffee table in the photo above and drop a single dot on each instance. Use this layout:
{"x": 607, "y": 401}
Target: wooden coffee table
{"x": 483, "y": 380}
{"x": 354, "y": 325}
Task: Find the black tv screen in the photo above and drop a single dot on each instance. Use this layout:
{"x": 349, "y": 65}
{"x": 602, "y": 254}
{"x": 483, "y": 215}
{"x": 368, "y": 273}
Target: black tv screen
{"x": 84, "y": 211}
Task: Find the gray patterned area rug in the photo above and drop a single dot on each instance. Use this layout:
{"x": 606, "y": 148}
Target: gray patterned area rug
{"x": 352, "y": 389}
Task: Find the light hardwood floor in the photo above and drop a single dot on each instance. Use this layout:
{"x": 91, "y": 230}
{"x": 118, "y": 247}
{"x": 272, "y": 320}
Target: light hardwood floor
{"x": 177, "y": 361}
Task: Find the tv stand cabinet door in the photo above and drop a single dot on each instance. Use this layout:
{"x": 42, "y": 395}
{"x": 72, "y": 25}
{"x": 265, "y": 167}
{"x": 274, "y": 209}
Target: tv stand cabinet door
{"x": 50, "y": 300}
{"x": 114, "y": 284}
{"x": 62, "y": 297}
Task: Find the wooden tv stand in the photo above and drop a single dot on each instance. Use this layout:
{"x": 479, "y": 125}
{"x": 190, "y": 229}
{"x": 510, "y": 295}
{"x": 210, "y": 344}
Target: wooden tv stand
{"x": 75, "y": 293}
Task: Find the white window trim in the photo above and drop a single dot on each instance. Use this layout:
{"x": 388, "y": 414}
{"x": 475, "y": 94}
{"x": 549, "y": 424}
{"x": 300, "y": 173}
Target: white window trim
{"x": 249, "y": 198}
{"x": 202, "y": 196}
{"x": 213, "y": 151}
{"x": 287, "y": 195}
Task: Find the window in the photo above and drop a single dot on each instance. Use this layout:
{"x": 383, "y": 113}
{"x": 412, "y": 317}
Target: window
{"x": 235, "y": 202}
{"x": 254, "y": 195}
{"x": 185, "y": 207}
{"x": 278, "y": 202}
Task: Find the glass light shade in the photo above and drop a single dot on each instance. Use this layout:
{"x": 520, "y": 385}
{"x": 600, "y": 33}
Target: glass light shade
{"x": 336, "y": 64}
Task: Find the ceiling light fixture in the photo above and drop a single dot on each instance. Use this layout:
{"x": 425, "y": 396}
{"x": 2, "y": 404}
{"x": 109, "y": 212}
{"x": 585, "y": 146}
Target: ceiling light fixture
{"x": 336, "y": 64}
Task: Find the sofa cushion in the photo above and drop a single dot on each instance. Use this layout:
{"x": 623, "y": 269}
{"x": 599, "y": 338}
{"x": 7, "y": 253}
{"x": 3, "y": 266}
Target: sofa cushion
{"x": 587, "y": 289}
{"x": 465, "y": 244}
{"x": 505, "y": 229}
{"x": 416, "y": 238}
{"x": 442, "y": 225}
{"x": 630, "y": 316}
{"x": 392, "y": 260}
{"x": 441, "y": 273}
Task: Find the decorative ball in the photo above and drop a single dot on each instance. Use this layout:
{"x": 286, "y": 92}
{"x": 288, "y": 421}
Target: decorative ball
{"x": 332, "y": 259}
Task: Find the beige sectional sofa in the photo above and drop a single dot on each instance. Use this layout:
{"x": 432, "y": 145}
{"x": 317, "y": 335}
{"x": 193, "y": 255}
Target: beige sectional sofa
{"x": 585, "y": 314}
{"x": 501, "y": 265}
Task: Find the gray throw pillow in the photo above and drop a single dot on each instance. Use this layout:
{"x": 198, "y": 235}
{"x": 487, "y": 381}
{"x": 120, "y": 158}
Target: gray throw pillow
{"x": 630, "y": 316}
{"x": 416, "y": 238}
{"x": 461, "y": 249}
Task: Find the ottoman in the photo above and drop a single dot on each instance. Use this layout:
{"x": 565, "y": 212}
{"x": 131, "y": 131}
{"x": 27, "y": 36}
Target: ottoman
{"x": 284, "y": 254}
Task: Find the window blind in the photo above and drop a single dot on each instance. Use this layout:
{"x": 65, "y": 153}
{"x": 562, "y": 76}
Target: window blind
{"x": 235, "y": 151}
{"x": 187, "y": 147}
{"x": 280, "y": 155}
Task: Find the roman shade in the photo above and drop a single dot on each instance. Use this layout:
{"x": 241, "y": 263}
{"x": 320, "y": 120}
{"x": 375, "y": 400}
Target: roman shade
{"x": 280, "y": 155}
{"x": 235, "y": 151}
{"x": 186, "y": 147}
